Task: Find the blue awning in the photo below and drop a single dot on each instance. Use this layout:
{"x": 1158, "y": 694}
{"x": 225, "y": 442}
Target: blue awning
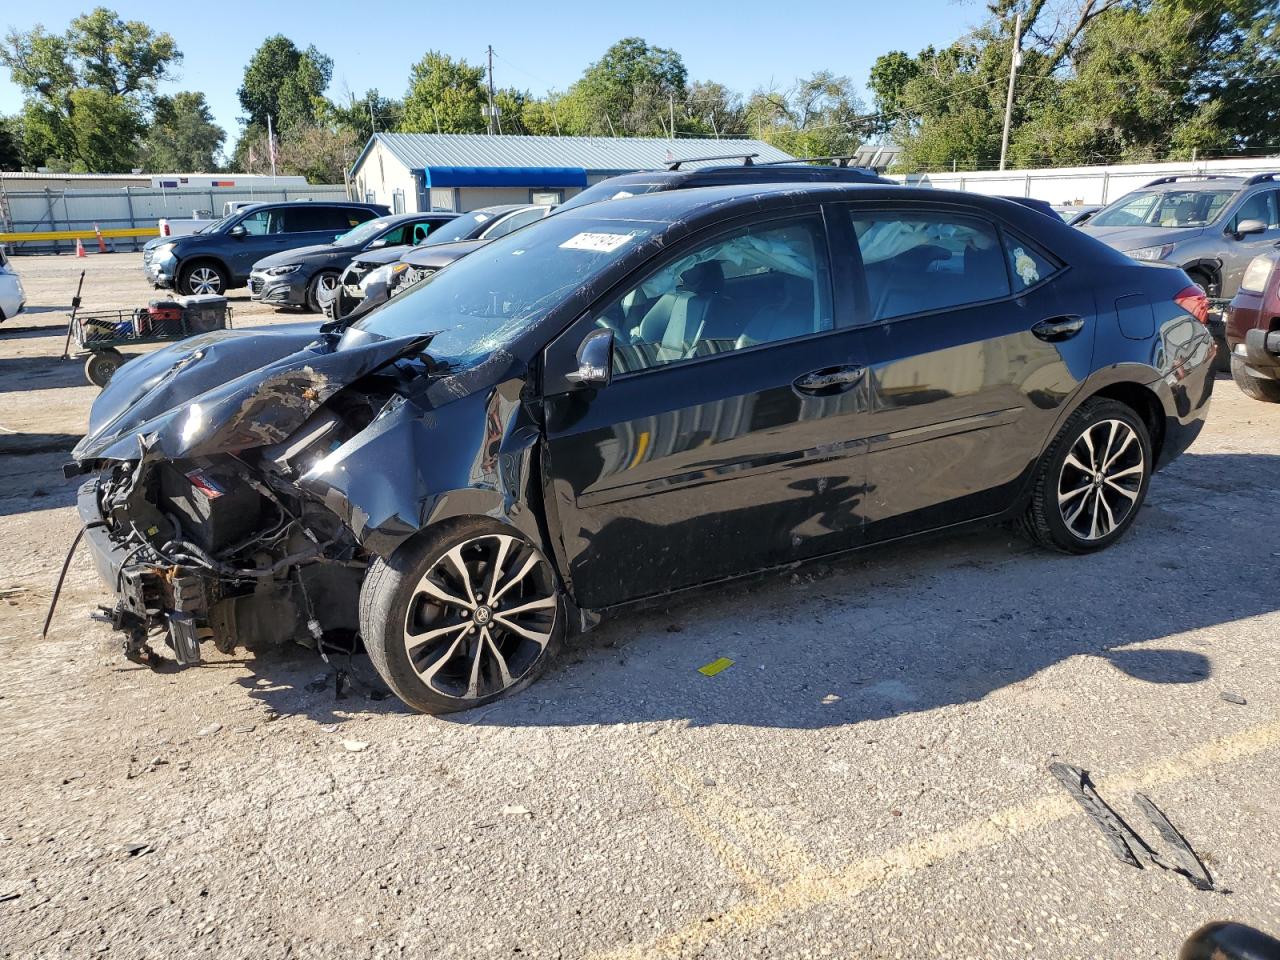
{"x": 505, "y": 176}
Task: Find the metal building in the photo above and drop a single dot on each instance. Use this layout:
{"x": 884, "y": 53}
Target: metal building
{"x": 463, "y": 171}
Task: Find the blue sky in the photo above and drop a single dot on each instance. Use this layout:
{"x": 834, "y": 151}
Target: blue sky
{"x": 744, "y": 45}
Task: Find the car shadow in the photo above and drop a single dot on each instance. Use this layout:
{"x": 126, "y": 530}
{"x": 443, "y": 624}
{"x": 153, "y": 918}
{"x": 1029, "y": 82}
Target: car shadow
{"x": 41, "y": 373}
{"x": 902, "y": 629}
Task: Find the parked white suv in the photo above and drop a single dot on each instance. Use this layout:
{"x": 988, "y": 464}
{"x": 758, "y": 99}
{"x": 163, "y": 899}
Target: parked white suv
{"x": 12, "y": 297}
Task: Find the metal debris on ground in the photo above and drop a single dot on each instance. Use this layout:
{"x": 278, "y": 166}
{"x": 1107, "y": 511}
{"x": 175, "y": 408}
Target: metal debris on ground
{"x": 1235, "y": 698}
{"x": 1124, "y": 841}
{"x": 715, "y": 666}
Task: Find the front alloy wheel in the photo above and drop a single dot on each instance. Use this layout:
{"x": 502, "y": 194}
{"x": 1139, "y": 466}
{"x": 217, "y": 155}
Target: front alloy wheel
{"x": 462, "y": 619}
{"x": 1092, "y": 480}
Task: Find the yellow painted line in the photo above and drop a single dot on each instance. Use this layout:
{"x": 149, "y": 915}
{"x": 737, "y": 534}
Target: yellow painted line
{"x": 715, "y": 666}
{"x": 114, "y": 233}
{"x": 813, "y": 889}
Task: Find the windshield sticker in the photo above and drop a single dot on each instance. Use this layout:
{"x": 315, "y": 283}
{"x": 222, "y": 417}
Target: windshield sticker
{"x": 596, "y": 242}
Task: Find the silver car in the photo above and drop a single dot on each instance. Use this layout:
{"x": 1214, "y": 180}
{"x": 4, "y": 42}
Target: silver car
{"x": 1210, "y": 226}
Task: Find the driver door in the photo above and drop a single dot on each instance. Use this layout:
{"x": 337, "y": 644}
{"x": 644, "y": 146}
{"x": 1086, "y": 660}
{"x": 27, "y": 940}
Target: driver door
{"x": 728, "y": 439}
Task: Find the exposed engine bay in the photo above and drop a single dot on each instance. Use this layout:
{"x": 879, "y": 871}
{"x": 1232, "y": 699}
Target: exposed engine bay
{"x": 224, "y": 545}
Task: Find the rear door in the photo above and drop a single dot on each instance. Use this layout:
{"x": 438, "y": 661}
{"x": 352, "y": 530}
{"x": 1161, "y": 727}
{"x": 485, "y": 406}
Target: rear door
{"x": 728, "y": 439}
{"x": 976, "y": 339}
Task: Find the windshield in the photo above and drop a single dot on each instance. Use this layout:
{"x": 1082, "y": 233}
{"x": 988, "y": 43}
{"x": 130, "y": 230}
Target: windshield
{"x": 218, "y": 224}
{"x": 1165, "y": 208}
{"x": 461, "y": 228}
{"x": 608, "y": 190}
{"x": 363, "y": 233}
{"x": 487, "y": 299}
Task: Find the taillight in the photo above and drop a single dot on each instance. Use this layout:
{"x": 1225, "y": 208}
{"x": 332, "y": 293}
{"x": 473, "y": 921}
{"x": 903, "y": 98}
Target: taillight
{"x": 1193, "y": 300}
{"x": 166, "y": 230}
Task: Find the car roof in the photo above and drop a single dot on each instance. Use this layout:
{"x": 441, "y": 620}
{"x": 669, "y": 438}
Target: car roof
{"x": 1183, "y": 183}
{"x": 403, "y": 217}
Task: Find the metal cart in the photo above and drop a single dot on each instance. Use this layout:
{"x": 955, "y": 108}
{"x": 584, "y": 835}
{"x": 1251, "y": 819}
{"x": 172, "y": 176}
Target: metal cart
{"x": 102, "y": 333}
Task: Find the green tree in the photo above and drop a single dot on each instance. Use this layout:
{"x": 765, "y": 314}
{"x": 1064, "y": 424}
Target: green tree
{"x": 286, "y": 84}
{"x": 88, "y": 92}
{"x": 820, "y": 115}
{"x": 11, "y": 143}
{"x": 445, "y": 96}
{"x": 183, "y": 136}
{"x": 628, "y": 92}
{"x": 360, "y": 115}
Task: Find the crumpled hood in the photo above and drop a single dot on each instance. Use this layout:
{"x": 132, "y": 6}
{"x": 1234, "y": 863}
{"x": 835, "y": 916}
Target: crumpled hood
{"x": 314, "y": 254}
{"x": 227, "y": 390}
{"x": 1134, "y": 238}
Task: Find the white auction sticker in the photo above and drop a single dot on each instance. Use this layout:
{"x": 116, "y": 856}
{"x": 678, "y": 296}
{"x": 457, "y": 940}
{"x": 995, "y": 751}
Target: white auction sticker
{"x": 596, "y": 242}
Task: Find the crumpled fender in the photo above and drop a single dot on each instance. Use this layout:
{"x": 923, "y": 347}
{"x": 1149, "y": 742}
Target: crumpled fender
{"x": 213, "y": 394}
{"x": 411, "y": 467}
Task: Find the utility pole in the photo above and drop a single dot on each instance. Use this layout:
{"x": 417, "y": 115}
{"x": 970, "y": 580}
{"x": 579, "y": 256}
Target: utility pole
{"x": 671, "y": 105}
{"x": 271, "y": 146}
{"x": 493, "y": 117}
{"x": 373, "y": 124}
{"x": 1014, "y": 63}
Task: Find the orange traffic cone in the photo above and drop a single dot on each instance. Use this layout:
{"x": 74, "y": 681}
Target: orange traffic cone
{"x": 79, "y": 247}
{"x": 102, "y": 246}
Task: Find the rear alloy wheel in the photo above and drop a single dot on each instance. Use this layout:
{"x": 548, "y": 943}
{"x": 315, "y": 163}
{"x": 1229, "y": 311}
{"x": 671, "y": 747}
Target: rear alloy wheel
{"x": 462, "y": 618}
{"x": 1092, "y": 480}
{"x": 1268, "y": 391}
{"x": 202, "y": 278}
{"x": 323, "y": 287}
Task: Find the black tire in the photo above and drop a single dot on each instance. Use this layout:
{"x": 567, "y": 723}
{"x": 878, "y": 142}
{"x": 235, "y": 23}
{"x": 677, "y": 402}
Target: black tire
{"x": 313, "y": 289}
{"x": 101, "y": 366}
{"x": 1049, "y": 519}
{"x": 460, "y": 665}
{"x": 1268, "y": 391}
{"x": 203, "y": 276}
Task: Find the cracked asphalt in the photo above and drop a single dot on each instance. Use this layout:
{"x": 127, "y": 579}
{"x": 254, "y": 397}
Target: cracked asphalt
{"x": 868, "y": 779}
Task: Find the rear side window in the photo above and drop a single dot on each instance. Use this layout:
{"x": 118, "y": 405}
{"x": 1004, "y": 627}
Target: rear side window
{"x": 922, "y": 262}
{"x": 1028, "y": 264}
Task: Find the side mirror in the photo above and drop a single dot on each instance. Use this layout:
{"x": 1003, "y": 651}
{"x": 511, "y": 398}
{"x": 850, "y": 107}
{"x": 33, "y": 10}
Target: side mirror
{"x": 595, "y": 361}
{"x": 1246, "y": 227}
{"x": 238, "y": 231}
{"x": 380, "y": 242}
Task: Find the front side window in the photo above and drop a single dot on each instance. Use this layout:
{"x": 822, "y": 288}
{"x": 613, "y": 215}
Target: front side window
{"x": 920, "y": 262}
{"x": 262, "y": 223}
{"x": 758, "y": 285}
{"x": 1260, "y": 206}
{"x": 1165, "y": 208}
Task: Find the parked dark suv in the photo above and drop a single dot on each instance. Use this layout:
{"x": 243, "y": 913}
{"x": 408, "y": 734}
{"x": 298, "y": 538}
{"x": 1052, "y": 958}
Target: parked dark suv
{"x": 220, "y": 256}
{"x": 629, "y": 399}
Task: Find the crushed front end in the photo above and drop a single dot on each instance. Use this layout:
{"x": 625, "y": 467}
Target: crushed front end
{"x": 194, "y": 515}
{"x": 218, "y": 548}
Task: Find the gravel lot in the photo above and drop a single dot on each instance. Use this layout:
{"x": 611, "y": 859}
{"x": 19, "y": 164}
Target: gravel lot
{"x": 869, "y": 779}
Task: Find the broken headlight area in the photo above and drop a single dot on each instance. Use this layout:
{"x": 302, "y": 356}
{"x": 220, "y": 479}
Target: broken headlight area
{"x": 227, "y": 548}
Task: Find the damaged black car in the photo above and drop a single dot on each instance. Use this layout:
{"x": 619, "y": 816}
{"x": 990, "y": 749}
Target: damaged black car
{"x": 631, "y": 399}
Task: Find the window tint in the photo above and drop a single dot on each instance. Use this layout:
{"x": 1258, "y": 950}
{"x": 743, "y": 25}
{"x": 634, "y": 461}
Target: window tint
{"x": 758, "y": 285}
{"x": 915, "y": 263}
{"x": 1260, "y": 206}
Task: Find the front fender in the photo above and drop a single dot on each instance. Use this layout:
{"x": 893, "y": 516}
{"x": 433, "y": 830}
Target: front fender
{"x": 414, "y": 467}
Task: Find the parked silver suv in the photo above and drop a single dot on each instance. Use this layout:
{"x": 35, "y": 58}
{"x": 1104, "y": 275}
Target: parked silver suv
{"x": 1211, "y": 226}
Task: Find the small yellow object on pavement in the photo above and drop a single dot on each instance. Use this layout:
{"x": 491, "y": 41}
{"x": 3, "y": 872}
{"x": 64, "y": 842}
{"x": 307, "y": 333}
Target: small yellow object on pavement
{"x": 715, "y": 666}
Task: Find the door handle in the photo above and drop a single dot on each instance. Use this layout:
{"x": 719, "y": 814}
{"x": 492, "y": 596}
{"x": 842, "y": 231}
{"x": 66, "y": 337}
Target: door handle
{"x": 829, "y": 380}
{"x": 1056, "y": 329}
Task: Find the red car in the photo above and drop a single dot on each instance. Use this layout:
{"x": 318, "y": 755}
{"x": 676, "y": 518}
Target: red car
{"x": 1253, "y": 330}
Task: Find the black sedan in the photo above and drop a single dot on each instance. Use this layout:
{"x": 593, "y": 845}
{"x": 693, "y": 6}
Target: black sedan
{"x": 298, "y": 278}
{"x": 630, "y": 399}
